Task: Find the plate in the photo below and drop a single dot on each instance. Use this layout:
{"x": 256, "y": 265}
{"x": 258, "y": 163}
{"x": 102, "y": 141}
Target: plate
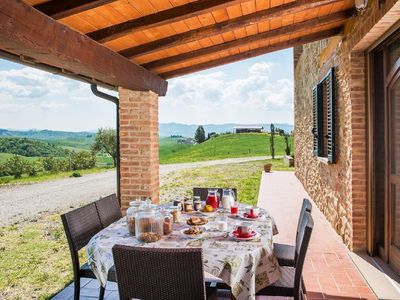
{"x": 203, "y": 222}
{"x": 247, "y": 218}
{"x": 197, "y": 236}
{"x": 233, "y": 235}
{"x": 205, "y": 213}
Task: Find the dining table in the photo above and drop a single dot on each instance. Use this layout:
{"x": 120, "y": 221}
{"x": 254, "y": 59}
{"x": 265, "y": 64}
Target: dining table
{"x": 246, "y": 266}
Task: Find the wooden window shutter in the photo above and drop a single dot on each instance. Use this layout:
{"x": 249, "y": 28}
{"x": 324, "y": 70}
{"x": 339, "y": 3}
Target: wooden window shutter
{"x": 330, "y": 98}
{"x": 317, "y": 119}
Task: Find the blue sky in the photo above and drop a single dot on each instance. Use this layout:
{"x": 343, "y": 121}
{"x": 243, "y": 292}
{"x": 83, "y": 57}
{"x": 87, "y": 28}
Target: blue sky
{"x": 258, "y": 90}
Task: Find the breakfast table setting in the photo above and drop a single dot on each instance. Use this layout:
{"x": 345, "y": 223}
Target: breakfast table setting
{"x": 236, "y": 240}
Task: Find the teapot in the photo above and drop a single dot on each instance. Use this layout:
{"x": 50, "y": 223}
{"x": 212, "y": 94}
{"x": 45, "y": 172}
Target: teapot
{"x": 228, "y": 198}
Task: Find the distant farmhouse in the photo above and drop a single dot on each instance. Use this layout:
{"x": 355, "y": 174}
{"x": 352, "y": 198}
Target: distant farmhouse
{"x": 244, "y": 129}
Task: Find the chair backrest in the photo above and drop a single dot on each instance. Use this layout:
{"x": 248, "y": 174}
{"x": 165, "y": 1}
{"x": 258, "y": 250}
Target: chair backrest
{"x": 80, "y": 226}
{"x": 305, "y": 207}
{"x": 108, "y": 209}
{"x": 203, "y": 192}
{"x": 153, "y": 273}
{"x": 302, "y": 241}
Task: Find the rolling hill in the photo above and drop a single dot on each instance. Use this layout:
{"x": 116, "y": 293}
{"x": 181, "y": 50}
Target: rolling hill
{"x": 224, "y": 146}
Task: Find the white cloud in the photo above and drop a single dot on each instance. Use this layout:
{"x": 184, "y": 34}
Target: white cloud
{"x": 27, "y": 88}
{"x": 245, "y": 99}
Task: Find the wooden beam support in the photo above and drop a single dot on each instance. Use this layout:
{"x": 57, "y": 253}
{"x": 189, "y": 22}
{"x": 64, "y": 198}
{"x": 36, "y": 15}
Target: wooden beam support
{"x": 253, "y": 53}
{"x": 62, "y": 9}
{"x": 290, "y": 29}
{"x": 26, "y": 32}
{"x": 164, "y": 17}
{"x": 218, "y": 28}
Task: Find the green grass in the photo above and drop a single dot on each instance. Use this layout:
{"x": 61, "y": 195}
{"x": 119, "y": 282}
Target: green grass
{"x": 34, "y": 259}
{"x": 45, "y": 176}
{"x": 34, "y": 255}
{"x": 224, "y": 146}
{"x": 243, "y": 176}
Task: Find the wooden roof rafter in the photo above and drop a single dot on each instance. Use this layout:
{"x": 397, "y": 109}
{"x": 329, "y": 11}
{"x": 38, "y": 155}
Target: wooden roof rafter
{"x": 62, "y": 9}
{"x": 221, "y": 27}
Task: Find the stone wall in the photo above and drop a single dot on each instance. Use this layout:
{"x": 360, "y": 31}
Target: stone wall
{"x": 340, "y": 189}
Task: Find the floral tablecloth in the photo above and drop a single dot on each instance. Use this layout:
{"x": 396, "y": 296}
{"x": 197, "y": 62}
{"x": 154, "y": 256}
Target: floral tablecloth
{"x": 246, "y": 266}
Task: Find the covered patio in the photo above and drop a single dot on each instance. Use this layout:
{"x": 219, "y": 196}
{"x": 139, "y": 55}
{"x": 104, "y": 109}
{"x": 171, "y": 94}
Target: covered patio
{"x": 133, "y": 47}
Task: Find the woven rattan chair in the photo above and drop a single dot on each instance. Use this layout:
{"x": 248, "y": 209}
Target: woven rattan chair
{"x": 286, "y": 253}
{"x": 153, "y": 273}
{"x": 109, "y": 210}
{"x": 80, "y": 226}
{"x": 203, "y": 192}
{"x": 290, "y": 283}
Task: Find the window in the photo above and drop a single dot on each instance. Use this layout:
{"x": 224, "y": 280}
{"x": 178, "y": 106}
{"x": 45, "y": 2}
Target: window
{"x": 323, "y": 95}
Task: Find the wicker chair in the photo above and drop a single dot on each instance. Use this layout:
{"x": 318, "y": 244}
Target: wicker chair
{"x": 153, "y": 273}
{"x": 286, "y": 253}
{"x": 290, "y": 283}
{"x": 80, "y": 226}
{"x": 109, "y": 210}
{"x": 203, "y": 192}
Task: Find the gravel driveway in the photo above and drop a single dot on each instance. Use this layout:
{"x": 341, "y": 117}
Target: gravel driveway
{"x": 19, "y": 202}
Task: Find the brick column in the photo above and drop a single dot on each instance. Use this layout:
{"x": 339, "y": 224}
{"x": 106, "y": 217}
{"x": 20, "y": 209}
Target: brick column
{"x": 138, "y": 138}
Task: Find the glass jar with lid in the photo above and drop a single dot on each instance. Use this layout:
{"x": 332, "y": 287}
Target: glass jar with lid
{"x": 149, "y": 225}
{"x": 176, "y": 213}
{"x": 134, "y": 207}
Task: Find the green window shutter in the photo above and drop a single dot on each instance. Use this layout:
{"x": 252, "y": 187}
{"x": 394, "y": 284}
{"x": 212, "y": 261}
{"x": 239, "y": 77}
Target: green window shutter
{"x": 330, "y": 98}
{"x": 317, "y": 119}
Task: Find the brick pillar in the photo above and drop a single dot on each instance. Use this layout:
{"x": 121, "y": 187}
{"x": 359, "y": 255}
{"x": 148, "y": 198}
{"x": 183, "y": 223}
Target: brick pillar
{"x": 138, "y": 138}
{"x": 358, "y": 150}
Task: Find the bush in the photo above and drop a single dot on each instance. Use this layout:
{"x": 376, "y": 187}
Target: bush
{"x": 4, "y": 170}
{"x": 76, "y": 174}
{"x": 49, "y": 163}
{"x": 33, "y": 168}
{"x": 82, "y": 160}
{"x": 16, "y": 166}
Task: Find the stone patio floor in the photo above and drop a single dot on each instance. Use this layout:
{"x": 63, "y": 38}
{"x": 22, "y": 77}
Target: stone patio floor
{"x": 329, "y": 272}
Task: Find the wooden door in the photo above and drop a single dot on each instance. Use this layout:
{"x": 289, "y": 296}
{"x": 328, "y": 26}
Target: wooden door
{"x": 385, "y": 164}
{"x": 393, "y": 97}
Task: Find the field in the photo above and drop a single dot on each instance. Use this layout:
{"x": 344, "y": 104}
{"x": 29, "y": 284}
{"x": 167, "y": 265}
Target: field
{"x": 34, "y": 255}
{"x": 224, "y": 146}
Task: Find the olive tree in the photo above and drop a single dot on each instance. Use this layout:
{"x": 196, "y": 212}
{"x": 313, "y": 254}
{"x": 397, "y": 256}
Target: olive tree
{"x": 106, "y": 142}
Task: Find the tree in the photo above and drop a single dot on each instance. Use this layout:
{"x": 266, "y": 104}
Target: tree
{"x": 106, "y": 142}
{"x": 200, "y": 135}
{"x": 16, "y": 165}
{"x": 287, "y": 148}
{"x": 272, "y": 141}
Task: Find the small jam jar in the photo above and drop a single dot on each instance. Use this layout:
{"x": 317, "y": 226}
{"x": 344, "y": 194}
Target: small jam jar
{"x": 196, "y": 205}
{"x": 188, "y": 206}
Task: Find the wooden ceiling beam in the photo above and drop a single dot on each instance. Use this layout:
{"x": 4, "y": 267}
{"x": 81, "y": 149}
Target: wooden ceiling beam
{"x": 26, "y": 32}
{"x": 62, "y": 9}
{"x": 218, "y": 28}
{"x": 253, "y": 53}
{"x": 164, "y": 17}
{"x": 289, "y": 29}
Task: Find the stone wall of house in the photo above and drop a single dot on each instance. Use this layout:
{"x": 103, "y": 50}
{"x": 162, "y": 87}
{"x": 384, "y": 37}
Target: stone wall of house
{"x": 340, "y": 189}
